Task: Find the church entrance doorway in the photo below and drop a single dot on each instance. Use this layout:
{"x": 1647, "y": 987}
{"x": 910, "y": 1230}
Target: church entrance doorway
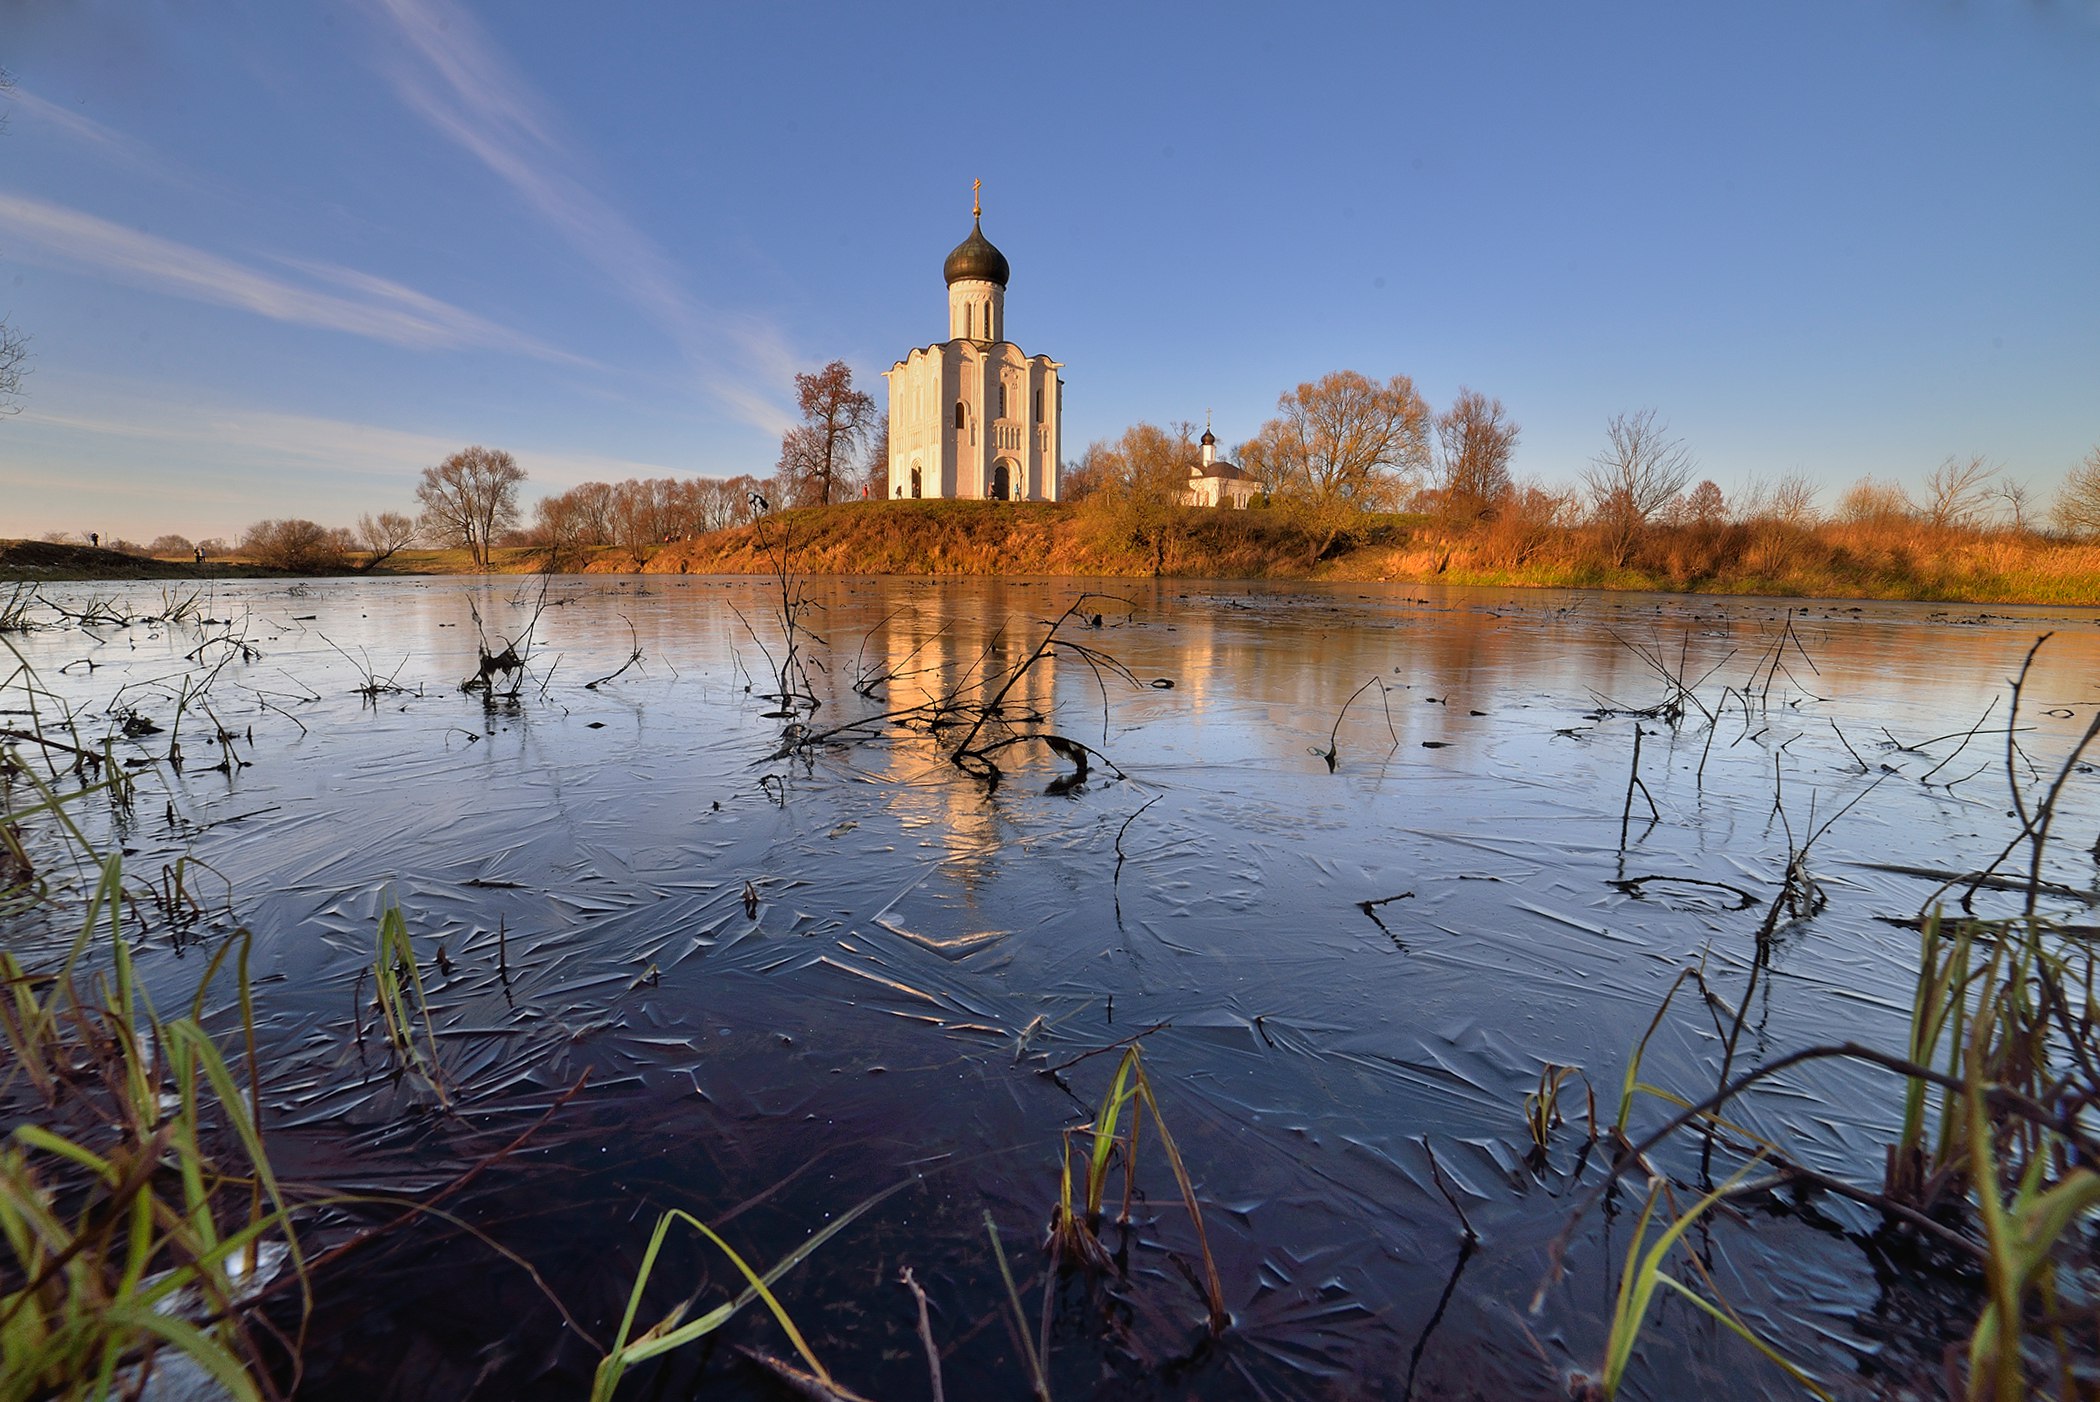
{"x": 915, "y": 482}
{"x": 1002, "y": 481}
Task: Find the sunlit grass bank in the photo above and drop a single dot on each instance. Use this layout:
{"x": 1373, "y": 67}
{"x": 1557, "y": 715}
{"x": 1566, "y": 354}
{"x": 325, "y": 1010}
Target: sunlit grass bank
{"x": 1831, "y": 560}
{"x": 956, "y": 537}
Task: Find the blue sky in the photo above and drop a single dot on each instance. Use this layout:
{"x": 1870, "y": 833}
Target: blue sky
{"x": 275, "y": 259}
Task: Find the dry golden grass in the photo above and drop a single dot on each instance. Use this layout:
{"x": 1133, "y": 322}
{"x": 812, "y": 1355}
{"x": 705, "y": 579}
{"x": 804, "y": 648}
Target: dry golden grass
{"x": 1877, "y": 561}
{"x": 1870, "y": 559}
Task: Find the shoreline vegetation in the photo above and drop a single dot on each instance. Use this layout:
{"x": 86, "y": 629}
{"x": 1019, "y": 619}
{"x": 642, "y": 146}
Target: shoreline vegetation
{"x": 1893, "y": 559}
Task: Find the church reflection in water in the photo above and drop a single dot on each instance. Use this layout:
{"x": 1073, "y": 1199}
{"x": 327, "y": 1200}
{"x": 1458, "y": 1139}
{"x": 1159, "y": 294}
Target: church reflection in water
{"x": 935, "y": 673}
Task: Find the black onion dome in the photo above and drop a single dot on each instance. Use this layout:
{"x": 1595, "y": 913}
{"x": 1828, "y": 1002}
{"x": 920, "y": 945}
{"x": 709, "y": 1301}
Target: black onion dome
{"x": 975, "y": 259}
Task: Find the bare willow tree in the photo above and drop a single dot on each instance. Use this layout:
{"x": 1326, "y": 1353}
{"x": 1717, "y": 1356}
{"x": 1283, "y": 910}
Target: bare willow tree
{"x": 816, "y": 456}
{"x": 1339, "y": 446}
{"x": 1474, "y": 440}
{"x": 470, "y": 497}
{"x": 385, "y": 535}
{"x": 2077, "y": 507}
{"x": 1957, "y": 492}
{"x": 1640, "y": 471}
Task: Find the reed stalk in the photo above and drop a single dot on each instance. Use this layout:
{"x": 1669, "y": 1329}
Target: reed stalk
{"x": 1642, "y": 1274}
{"x": 1075, "y": 1234}
{"x": 674, "y": 1331}
{"x": 398, "y": 982}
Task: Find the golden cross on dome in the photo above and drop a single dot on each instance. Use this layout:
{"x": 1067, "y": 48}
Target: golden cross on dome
{"x": 976, "y": 205}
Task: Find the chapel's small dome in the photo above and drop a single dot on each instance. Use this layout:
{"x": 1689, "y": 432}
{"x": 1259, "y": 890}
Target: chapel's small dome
{"x": 1210, "y": 438}
{"x": 974, "y": 259}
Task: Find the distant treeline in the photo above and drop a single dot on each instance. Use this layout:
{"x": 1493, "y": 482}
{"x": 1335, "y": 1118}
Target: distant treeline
{"x": 638, "y": 513}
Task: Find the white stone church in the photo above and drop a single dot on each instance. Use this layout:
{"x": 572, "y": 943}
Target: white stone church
{"x": 972, "y": 416}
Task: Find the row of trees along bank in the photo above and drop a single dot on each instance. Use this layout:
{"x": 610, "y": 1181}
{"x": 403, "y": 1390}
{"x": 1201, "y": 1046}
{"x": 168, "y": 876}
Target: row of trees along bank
{"x": 470, "y": 500}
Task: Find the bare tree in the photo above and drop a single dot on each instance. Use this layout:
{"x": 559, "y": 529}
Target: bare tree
{"x": 1794, "y": 500}
{"x": 385, "y": 535}
{"x": 1254, "y": 458}
{"x": 294, "y": 545}
{"x": 876, "y": 476}
{"x": 580, "y": 516}
{"x": 639, "y": 515}
{"x": 2077, "y": 508}
{"x": 1474, "y": 440}
{"x": 737, "y": 506}
{"x": 1871, "y": 502}
{"x": 2017, "y": 500}
{"x": 1957, "y": 492}
{"x": 1640, "y": 471}
{"x": 1705, "y": 506}
{"x": 816, "y": 456}
{"x": 1340, "y": 446}
{"x": 1346, "y": 438}
{"x": 471, "y": 496}
{"x": 14, "y": 364}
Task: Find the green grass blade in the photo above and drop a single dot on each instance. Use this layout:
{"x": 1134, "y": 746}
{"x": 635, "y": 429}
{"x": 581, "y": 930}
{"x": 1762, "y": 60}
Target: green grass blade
{"x": 1746, "y": 1334}
{"x": 201, "y": 1349}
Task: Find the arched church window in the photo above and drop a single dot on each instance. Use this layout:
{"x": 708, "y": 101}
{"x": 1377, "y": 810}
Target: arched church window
{"x": 1038, "y": 406}
{"x": 960, "y": 412}
{"x": 1002, "y": 399}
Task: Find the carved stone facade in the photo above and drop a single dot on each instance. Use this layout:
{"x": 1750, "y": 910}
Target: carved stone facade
{"x": 974, "y": 416}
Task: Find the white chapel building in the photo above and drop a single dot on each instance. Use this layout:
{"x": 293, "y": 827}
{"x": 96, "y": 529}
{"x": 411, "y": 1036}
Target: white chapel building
{"x": 1216, "y": 482}
{"x": 972, "y": 416}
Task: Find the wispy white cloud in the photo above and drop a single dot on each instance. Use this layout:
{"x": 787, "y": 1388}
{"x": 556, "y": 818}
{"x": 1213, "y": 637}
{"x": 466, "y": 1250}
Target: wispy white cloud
{"x": 384, "y": 311}
{"x": 109, "y": 143}
{"x": 459, "y": 83}
{"x": 314, "y": 447}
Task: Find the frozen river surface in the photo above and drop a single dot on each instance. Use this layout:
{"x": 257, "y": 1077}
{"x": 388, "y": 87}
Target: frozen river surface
{"x": 800, "y": 979}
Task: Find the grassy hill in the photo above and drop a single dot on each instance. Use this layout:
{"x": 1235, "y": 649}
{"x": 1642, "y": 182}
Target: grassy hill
{"x": 981, "y": 537}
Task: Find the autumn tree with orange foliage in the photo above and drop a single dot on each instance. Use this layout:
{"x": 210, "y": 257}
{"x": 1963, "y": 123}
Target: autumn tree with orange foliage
{"x": 816, "y": 456}
{"x": 1339, "y": 446}
{"x": 1138, "y": 489}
